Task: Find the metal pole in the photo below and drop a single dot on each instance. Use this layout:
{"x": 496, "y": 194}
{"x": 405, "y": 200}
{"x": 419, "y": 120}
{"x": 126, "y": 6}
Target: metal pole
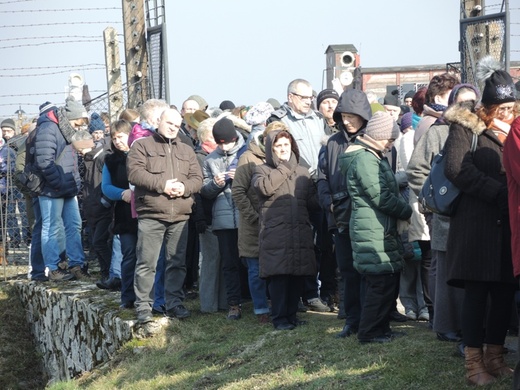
{"x": 507, "y": 40}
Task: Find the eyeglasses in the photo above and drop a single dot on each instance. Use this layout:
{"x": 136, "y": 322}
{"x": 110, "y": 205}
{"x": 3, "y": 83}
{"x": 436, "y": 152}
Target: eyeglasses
{"x": 303, "y": 97}
{"x": 503, "y": 110}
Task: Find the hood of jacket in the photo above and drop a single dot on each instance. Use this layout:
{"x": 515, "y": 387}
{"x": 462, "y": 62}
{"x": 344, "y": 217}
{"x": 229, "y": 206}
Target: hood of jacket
{"x": 352, "y": 101}
{"x": 271, "y": 158}
{"x": 464, "y": 114}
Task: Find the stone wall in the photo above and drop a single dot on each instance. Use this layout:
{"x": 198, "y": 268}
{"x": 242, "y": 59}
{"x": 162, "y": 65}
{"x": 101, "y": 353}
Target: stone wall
{"x": 75, "y": 326}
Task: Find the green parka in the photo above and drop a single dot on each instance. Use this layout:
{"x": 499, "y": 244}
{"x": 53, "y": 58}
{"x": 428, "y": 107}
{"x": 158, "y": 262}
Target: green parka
{"x": 376, "y": 207}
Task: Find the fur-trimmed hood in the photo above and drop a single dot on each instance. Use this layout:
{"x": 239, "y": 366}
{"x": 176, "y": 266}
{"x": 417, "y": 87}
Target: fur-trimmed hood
{"x": 464, "y": 115}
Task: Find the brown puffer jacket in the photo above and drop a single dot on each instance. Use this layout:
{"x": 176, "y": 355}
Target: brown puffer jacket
{"x": 286, "y": 193}
{"x": 151, "y": 162}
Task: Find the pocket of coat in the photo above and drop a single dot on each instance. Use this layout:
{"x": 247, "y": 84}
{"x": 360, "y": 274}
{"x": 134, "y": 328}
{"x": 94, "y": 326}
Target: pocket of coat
{"x": 156, "y": 162}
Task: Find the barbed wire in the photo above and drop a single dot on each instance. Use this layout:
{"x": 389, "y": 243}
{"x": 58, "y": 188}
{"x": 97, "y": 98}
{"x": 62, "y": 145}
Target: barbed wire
{"x": 54, "y": 67}
{"x": 44, "y": 93}
{"x": 61, "y": 10}
{"x": 14, "y": 1}
{"x": 52, "y": 43}
{"x": 54, "y": 37}
{"x": 51, "y": 73}
{"x": 57, "y": 24}
{"x": 71, "y": 69}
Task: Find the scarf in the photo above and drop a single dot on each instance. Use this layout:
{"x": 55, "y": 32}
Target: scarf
{"x": 64, "y": 125}
{"x": 437, "y": 107}
{"x": 501, "y": 127}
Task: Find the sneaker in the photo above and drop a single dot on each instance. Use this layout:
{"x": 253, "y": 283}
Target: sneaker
{"x": 423, "y": 316}
{"x": 234, "y": 313}
{"x": 411, "y": 315}
{"x": 178, "y": 311}
{"x": 144, "y": 317}
{"x": 316, "y": 304}
{"x": 59, "y": 275}
{"x": 80, "y": 273}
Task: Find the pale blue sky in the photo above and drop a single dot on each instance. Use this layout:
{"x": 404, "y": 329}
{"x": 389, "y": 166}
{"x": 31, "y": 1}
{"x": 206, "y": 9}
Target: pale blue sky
{"x": 244, "y": 51}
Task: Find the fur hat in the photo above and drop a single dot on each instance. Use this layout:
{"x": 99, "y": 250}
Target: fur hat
{"x": 326, "y": 94}
{"x": 96, "y": 123}
{"x": 9, "y": 123}
{"x": 382, "y": 127}
{"x": 193, "y": 119}
{"x": 498, "y": 84}
{"x": 406, "y": 120}
{"x": 259, "y": 113}
{"x": 227, "y": 105}
{"x": 74, "y": 109}
{"x": 224, "y": 131}
{"x": 392, "y": 98}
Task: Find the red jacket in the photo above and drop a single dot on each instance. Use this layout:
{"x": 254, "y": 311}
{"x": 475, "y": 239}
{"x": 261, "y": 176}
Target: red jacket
{"x": 512, "y": 167}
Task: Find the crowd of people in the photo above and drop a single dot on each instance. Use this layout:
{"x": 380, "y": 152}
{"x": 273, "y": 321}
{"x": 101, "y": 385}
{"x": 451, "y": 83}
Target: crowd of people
{"x": 307, "y": 205}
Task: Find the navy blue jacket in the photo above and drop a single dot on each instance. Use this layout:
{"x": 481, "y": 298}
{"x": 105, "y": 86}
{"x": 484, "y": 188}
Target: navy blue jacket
{"x": 55, "y": 157}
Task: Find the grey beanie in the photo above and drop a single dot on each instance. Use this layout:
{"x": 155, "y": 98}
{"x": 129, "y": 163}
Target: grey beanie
{"x": 74, "y": 109}
{"x": 8, "y": 123}
{"x": 382, "y": 127}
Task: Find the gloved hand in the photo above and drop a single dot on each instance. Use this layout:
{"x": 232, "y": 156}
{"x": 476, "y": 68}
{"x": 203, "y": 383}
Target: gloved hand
{"x": 200, "y": 226}
{"x": 502, "y": 202}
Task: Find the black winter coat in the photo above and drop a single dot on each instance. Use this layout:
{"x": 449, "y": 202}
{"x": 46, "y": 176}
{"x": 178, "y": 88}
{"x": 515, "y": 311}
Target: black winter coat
{"x": 286, "y": 193}
{"x": 479, "y": 238}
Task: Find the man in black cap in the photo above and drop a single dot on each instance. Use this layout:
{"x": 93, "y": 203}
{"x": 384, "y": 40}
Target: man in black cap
{"x": 326, "y": 102}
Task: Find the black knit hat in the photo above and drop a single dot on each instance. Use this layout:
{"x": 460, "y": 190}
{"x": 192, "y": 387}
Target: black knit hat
{"x": 498, "y": 85}
{"x": 392, "y": 98}
{"x": 224, "y": 131}
{"x": 326, "y": 94}
{"x": 227, "y": 105}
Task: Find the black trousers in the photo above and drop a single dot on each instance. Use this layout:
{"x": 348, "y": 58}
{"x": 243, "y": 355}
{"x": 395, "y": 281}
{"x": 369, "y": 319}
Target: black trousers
{"x": 352, "y": 279}
{"x": 285, "y": 296}
{"x": 479, "y": 312}
{"x": 228, "y": 248}
{"x": 377, "y": 305}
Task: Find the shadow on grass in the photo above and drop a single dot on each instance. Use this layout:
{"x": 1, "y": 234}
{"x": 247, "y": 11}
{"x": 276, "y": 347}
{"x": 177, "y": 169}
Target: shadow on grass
{"x": 20, "y": 364}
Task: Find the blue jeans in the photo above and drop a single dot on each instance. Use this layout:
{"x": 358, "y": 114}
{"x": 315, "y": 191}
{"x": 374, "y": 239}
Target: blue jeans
{"x": 58, "y": 212}
{"x": 257, "y": 286}
{"x": 117, "y": 258}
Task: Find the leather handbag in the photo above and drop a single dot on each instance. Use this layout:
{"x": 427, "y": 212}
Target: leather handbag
{"x": 438, "y": 194}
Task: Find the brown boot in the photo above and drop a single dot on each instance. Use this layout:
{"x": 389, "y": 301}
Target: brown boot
{"x": 476, "y": 373}
{"x": 494, "y": 360}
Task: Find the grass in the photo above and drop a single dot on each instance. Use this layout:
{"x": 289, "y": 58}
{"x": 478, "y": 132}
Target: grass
{"x": 207, "y": 351}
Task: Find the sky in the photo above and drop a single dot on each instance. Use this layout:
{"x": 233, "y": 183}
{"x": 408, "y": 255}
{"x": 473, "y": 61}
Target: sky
{"x": 244, "y": 51}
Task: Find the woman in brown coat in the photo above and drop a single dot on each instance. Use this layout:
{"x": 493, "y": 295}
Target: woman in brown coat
{"x": 479, "y": 236}
{"x": 286, "y": 193}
